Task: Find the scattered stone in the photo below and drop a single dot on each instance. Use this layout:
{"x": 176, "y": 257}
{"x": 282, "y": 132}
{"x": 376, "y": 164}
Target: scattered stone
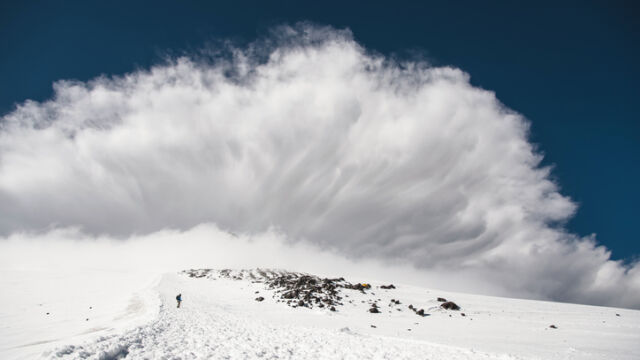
{"x": 374, "y": 308}
{"x": 442, "y": 299}
{"x": 87, "y": 319}
{"x": 463, "y": 314}
{"x": 361, "y": 287}
{"x": 450, "y": 305}
{"x": 90, "y": 307}
{"x": 304, "y": 290}
{"x": 617, "y": 314}
{"x": 418, "y": 312}
{"x": 553, "y": 327}
{"x": 373, "y": 326}
{"x": 47, "y": 313}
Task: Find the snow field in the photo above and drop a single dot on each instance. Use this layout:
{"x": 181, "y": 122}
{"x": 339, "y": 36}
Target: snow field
{"x": 41, "y": 309}
{"x": 220, "y": 319}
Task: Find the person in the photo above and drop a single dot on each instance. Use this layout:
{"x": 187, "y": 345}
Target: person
{"x": 179, "y": 299}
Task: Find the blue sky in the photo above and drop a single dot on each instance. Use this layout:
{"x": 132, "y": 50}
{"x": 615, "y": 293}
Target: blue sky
{"x": 569, "y": 67}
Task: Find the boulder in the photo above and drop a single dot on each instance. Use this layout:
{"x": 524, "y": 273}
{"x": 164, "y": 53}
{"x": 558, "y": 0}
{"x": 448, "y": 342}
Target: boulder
{"x": 450, "y": 305}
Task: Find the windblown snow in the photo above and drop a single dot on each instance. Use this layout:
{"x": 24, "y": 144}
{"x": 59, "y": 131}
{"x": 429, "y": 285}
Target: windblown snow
{"x": 252, "y": 314}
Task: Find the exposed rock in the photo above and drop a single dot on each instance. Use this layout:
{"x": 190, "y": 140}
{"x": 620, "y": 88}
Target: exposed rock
{"x": 298, "y": 289}
{"x": 450, "y": 305}
{"x": 360, "y": 287}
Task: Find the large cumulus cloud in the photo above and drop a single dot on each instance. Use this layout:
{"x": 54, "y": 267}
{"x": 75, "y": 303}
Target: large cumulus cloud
{"x": 314, "y": 136}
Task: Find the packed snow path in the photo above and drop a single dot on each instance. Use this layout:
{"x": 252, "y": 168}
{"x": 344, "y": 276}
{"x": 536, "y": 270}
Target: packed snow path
{"x": 205, "y": 328}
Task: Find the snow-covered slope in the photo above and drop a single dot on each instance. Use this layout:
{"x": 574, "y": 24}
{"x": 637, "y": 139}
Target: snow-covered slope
{"x": 44, "y": 308}
{"x": 220, "y": 318}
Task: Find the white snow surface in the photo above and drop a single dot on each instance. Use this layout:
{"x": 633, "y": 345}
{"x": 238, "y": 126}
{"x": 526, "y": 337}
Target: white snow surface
{"x": 134, "y": 316}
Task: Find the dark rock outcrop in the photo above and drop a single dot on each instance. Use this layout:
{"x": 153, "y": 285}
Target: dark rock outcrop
{"x": 450, "y": 305}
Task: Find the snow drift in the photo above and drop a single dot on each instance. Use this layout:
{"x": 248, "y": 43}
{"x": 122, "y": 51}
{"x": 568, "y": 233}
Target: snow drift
{"x": 310, "y": 134}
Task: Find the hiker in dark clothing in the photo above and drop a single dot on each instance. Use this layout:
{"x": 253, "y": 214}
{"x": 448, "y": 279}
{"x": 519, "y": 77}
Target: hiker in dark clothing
{"x": 179, "y": 299}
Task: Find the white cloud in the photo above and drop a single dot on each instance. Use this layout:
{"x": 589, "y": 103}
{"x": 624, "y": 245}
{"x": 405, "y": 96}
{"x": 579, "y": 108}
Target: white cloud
{"x": 346, "y": 150}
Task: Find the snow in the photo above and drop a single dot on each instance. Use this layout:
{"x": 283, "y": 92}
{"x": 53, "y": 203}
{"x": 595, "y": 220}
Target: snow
{"x": 41, "y": 308}
{"x": 220, "y": 319}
